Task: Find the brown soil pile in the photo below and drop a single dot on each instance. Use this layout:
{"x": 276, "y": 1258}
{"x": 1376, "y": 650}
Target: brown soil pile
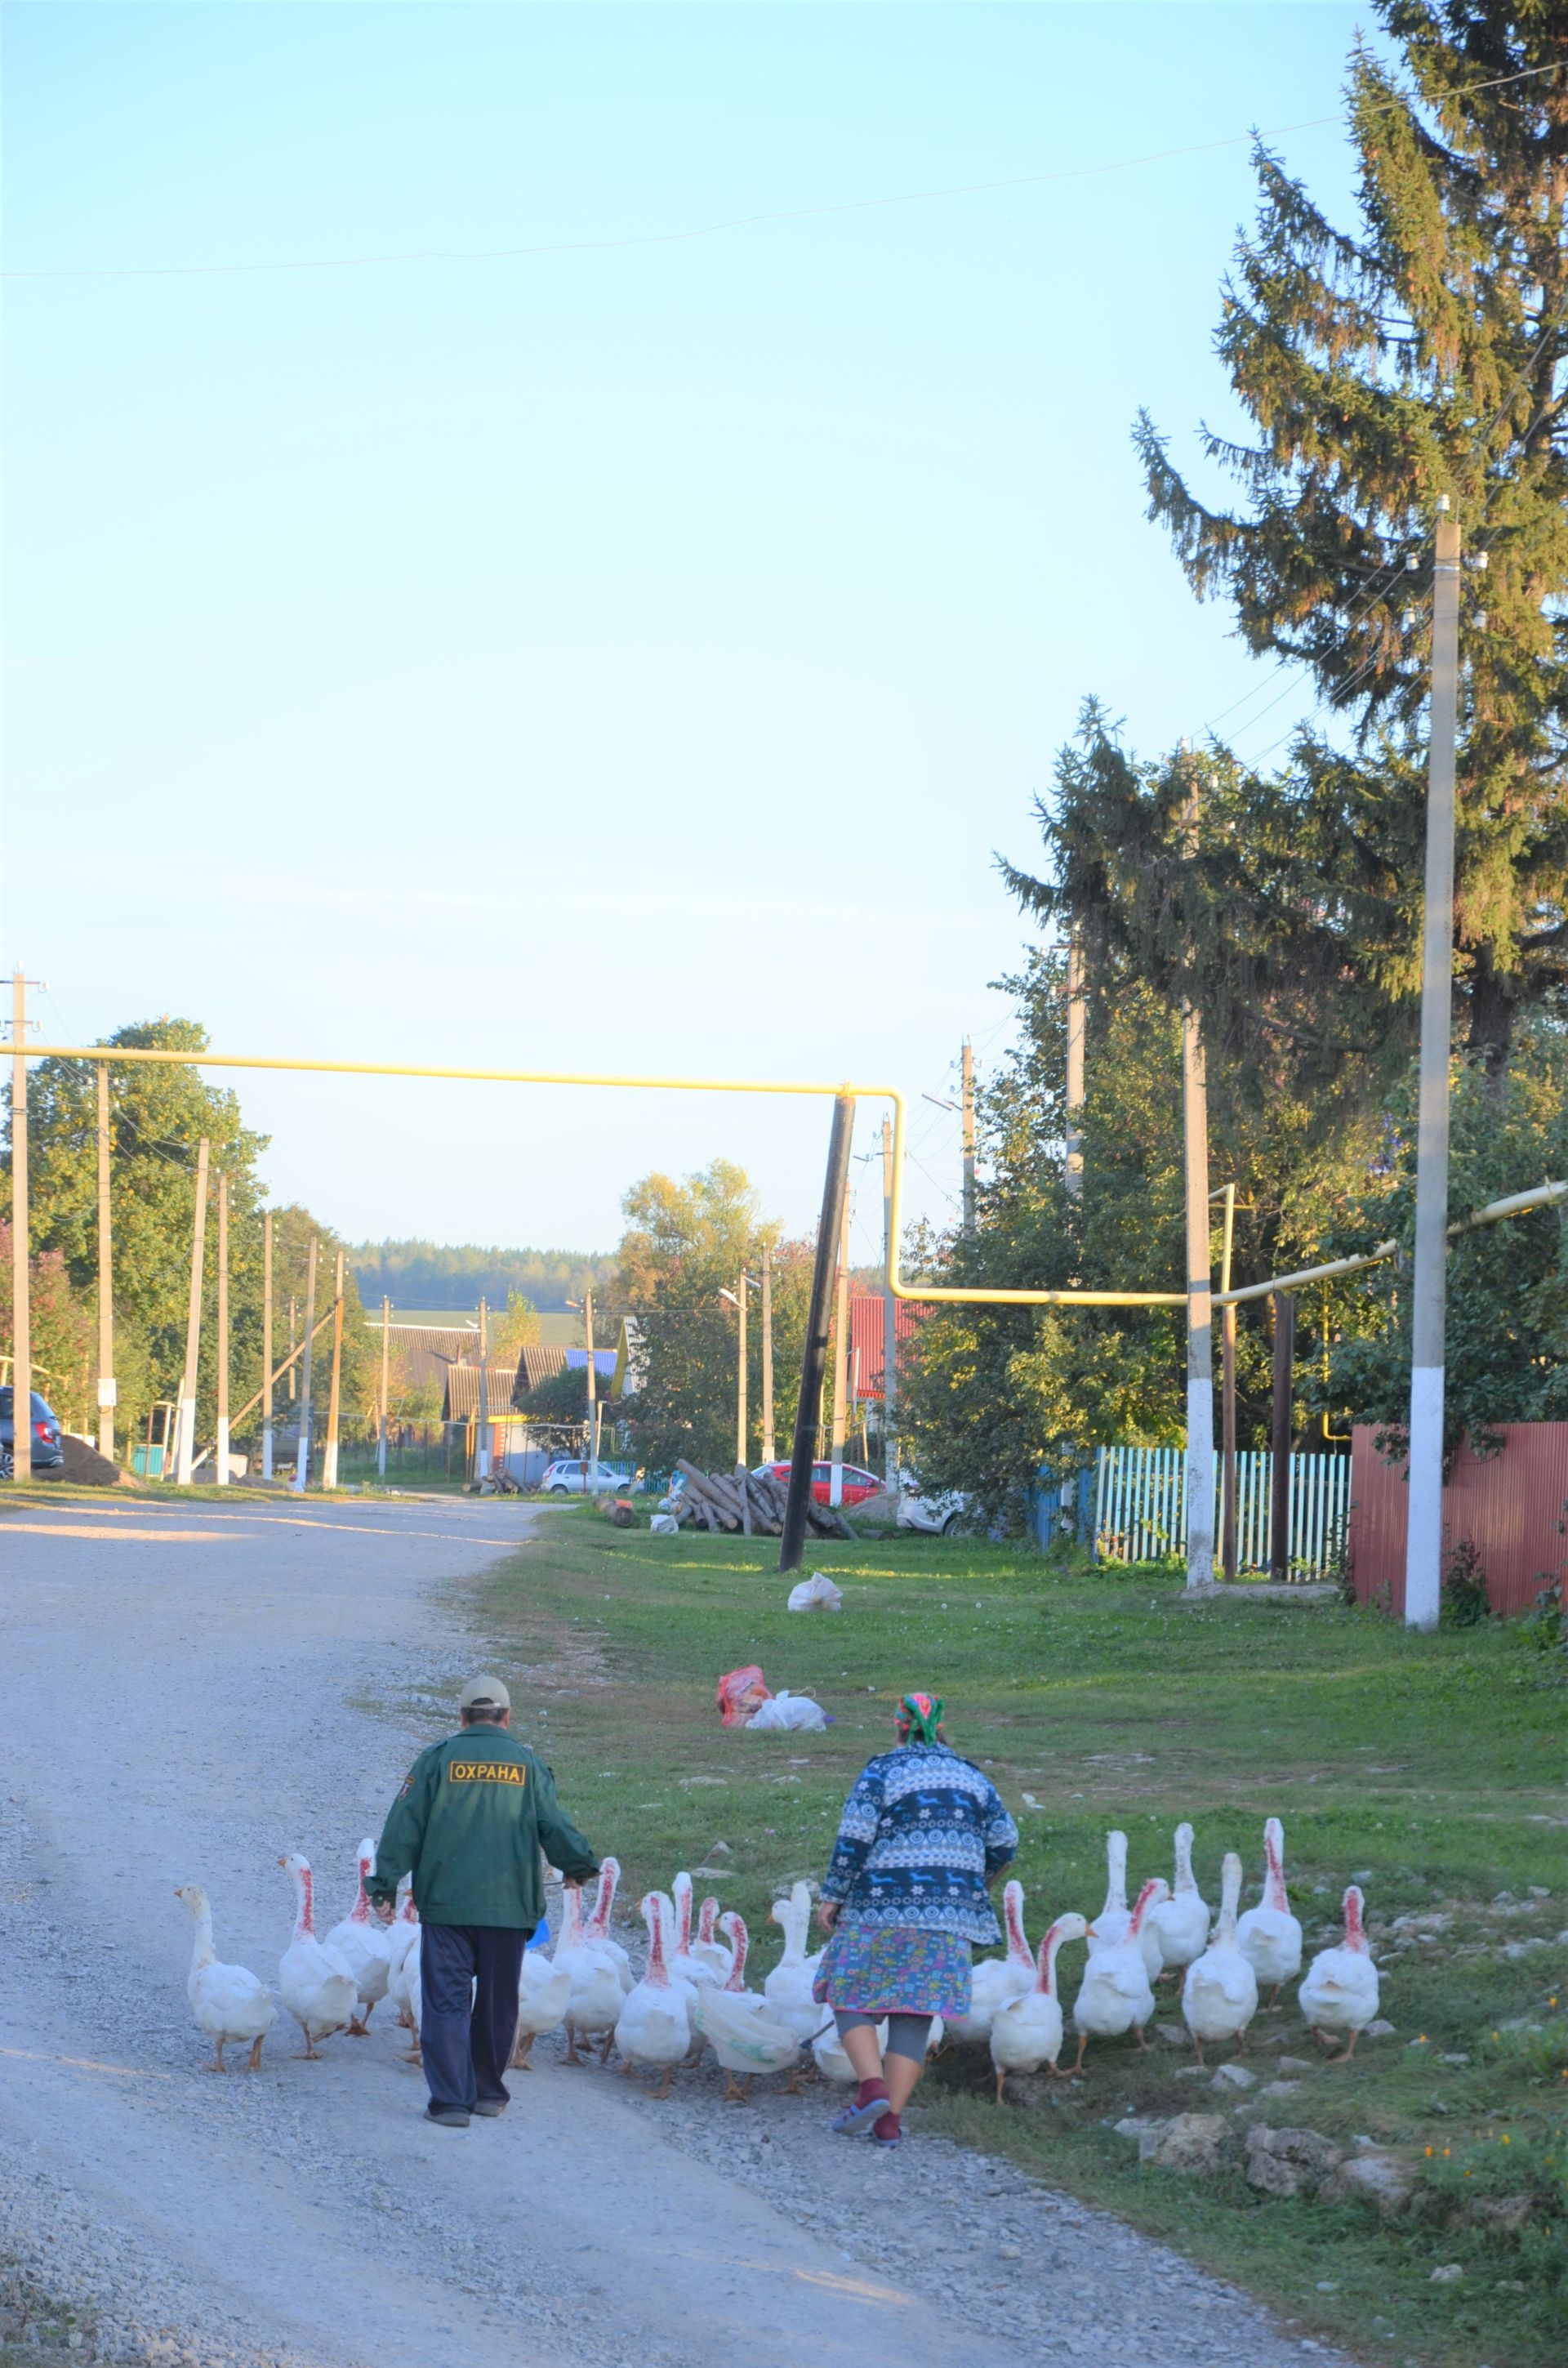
{"x": 85, "y": 1464}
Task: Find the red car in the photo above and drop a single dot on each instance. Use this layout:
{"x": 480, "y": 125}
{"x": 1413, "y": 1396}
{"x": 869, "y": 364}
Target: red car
{"x": 858, "y": 1484}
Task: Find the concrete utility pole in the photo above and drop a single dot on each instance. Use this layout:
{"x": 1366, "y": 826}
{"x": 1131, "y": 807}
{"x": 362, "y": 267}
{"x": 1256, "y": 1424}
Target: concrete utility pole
{"x": 1281, "y": 1431}
{"x": 267, "y": 1346}
{"x": 386, "y": 1384}
{"x": 1200, "y": 1282}
{"x": 890, "y": 1322}
{"x": 840, "y": 1362}
{"x": 1228, "y": 1398}
{"x": 334, "y": 1398}
{"x": 1073, "y": 1177}
{"x": 293, "y": 1343}
{"x": 222, "y": 1457}
{"x": 768, "y": 1445}
{"x": 742, "y": 1425}
{"x": 302, "y": 1453}
{"x": 967, "y": 1106}
{"x": 482, "y": 1444}
{"x": 1423, "y": 1539}
{"x": 21, "y": 1295}
{"x": 107, "y": 1392}
{"x": 807, "y": 1416}
{"x": 593, "y": 1383}
{"x": 186, "y": 1452}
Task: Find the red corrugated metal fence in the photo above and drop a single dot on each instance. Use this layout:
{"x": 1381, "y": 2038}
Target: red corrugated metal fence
{"x": 1512, "y": 1506}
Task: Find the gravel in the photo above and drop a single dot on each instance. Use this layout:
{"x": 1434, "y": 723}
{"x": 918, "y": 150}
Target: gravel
{"x": 306, "y": 2217}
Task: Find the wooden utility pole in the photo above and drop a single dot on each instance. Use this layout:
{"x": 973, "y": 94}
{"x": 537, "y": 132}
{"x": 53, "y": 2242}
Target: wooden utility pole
{"x": 890, "y": 1322}
{"x": 742, "y": 1424}
{"x": 1199, "y": 1278}
{"x": 386, "y": 1384}
{"x": 1228, "y": 1398}
{"x": 593, "y": 1386}
{"x": 335, "y": 1399}
{"x": 840, "y": 1362}
{"x": 21, "y": 1296}
{"x": 968, "y": 1110}
{"x": 302, "y": 1454}
{"x": 1280, "y": 1437}
{"x": 105, "y": 1278}
{"x": 481, "y": 1443}
{"x": 222, "y": 1408}
{"x": 185, "y": 1451}
{"x": 1073, "y": 1177}
{"x": 767, "y": 1441}
{"x": 1423, "y": 1540}
{"x": 267, "y": 1346}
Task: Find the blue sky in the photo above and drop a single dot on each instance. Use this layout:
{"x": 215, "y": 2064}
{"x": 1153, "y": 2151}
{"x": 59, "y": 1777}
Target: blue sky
{"x": 622, "y": 658}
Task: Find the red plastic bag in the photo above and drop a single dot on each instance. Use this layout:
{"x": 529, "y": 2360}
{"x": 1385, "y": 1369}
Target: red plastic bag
{"x": 740, "y": 1692}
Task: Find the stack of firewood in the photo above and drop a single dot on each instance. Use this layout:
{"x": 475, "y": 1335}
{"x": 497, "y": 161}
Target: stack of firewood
{"x": 740, "y": 1500}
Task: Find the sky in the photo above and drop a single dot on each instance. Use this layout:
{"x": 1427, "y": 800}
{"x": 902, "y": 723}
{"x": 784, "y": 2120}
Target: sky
{"x": 625, "y": 655}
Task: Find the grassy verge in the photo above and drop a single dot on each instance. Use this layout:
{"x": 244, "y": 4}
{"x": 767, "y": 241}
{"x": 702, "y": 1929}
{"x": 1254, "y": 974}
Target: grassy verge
{"x": 1430, "y": 1768}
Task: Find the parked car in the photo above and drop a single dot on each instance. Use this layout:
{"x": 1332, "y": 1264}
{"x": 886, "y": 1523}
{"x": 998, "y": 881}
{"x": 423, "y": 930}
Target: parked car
{"x": 569, "y": 1475}
{"x": 934, "y": 1516}
{"x": 48, "y": 1453}
{"x": 859, "y": 1484}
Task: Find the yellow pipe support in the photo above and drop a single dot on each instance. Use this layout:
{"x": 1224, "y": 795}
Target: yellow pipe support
{"x": 926, "y": 1293}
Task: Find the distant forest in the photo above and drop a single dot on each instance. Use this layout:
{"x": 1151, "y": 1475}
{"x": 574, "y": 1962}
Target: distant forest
{"x": 440, "y": 1274}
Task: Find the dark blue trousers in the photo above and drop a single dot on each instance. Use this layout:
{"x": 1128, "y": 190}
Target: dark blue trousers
{"x": 468, "y": 2009}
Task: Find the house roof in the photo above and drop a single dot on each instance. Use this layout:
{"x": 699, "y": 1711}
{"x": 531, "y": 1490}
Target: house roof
{"x": 535, "y": 1363}
{"x": 461, "y": 1404}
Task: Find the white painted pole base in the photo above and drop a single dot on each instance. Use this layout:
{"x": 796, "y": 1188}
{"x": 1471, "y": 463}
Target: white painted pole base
{"x": 303, "y": 1462}
{"x": 186, "y": 1454}
{"x": 221, "y": 1473}
{"x": 1200, "y": 1483}
{"x": 267, "y": 1451}
{"x": 1424, "y": 1536}
{"x": 329, "y": 1464}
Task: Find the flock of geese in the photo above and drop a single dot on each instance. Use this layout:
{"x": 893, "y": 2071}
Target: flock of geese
{"x": 692, "y": 1992}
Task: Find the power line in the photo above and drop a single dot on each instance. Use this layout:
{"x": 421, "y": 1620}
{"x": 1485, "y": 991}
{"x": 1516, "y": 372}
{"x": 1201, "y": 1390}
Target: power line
{"x": 746, "y": 222}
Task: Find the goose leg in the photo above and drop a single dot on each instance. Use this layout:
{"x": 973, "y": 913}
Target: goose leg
{"x": 357, "y": 2029}
{"x": 217, "y": 2063}
{"x": 253, "y": 2062}
{"x": 1274, "y": 1996}
{"x": 1345, "y": 2053}
{"x": 1001, "y": 2084}
{"x": 1198, "y": 2044}
{"x": 1323, "y": 2037}
{"x": 606, "y": 2044}
{"x": 1083, "y": 2043}
{"x": 1138, "y": 2035}
{"x": 664, "y": 2088}
{"x": 521, "y": 2045}
{"x": 572, "y": 2054}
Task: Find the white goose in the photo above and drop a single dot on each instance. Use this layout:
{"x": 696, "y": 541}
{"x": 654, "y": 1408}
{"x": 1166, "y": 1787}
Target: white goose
{"x": 1269, "y": 1935}
{"x": 229, "y": 2003}
{"x": 595, "y": 2002}
{"x": 1340, "y": 1992}
{"x": 1115, "y": 1994}
{"x": 544, "y": 1993}
{"x": 1025, "y": 2032}
{"x": 597, "y": 1933}
{"x": 788, "y": 1987}
{"x": 1112, "y": 1923}
{"x": 745, "y": 2033}
{"x": 364, "y": 1945}
{"x": 1218, "y": 1992}
{"x": 998, "y": 1981}
{"x": 705, "y": 1948}
{"x": 314, "y": 1982}
{"x": 827, "y": 2049}
{"x": 654, "y": 2028}
{"x": 684, "y": 1965}
{"x": 1180, "y": 1924}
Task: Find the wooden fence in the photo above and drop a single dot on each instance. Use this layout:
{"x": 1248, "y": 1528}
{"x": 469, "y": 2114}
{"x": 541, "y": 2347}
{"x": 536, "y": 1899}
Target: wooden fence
{"x": 1140, "y": 1503}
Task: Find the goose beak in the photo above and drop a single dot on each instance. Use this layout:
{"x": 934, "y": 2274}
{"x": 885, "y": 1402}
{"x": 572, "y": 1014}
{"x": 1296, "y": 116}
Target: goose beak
{"x": 1089, "y": 1932}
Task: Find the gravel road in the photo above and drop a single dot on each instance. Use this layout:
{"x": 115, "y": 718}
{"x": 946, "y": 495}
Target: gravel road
{"x": 180, "y": 1700}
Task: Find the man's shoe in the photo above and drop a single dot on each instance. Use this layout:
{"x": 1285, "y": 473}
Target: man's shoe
{"x": 450, "y": 2117}
{"x": 491, "y": 2107}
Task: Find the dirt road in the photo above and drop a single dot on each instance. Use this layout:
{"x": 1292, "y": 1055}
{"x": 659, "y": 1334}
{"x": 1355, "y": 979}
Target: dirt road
{"x": 179, "y": 1693}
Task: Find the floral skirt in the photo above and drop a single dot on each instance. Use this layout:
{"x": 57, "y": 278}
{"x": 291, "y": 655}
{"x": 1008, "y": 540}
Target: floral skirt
{"x": 894, "y": 1969}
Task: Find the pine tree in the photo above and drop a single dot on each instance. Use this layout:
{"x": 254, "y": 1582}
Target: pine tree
{"x": 1424, "y": 355}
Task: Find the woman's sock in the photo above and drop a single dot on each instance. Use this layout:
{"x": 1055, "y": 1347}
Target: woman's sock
{"x": 889, "y": 2127}
{"x": 870, "y": 2091}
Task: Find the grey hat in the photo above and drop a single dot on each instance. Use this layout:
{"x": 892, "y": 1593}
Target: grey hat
{"x": 484, "y": 1694}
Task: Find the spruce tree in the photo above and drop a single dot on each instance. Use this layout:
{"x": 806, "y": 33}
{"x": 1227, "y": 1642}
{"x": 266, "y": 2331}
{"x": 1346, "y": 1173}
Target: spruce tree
{"x": 1423, "y": 354}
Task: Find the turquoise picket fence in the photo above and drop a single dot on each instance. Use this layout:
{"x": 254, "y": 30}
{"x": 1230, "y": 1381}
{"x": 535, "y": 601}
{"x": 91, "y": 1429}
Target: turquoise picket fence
{"x": 1141, "y": 1506}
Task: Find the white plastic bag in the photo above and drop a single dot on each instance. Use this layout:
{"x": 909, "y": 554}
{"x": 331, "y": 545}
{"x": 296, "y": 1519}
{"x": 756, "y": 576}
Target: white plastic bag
{"x": 789, "y": 1713}
{"x": 817, "y": 1593}
{"x": 663, "y": 1525}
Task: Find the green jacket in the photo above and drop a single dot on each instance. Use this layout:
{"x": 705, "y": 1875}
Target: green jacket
{"x": 468, "y": 1824}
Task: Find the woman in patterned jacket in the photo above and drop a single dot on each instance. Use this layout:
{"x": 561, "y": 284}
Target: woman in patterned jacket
{"x": 922, "y": 1837}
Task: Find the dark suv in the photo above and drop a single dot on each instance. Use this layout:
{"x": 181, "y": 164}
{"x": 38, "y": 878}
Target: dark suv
{"x": 48, "y": 1453}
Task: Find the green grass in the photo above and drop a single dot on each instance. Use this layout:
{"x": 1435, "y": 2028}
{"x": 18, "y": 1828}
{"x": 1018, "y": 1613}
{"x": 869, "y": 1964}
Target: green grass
{"x": 1430, "y": 1767}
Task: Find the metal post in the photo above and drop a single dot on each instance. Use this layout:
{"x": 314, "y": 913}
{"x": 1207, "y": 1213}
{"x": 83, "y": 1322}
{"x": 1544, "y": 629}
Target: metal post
{"x": 335, "y": 1399}
{"x": 184, "y": 1453}
{"x": 1073, "y": 1178}
{"x": 267, "y": 1345}
{"x": 1423, "y": 1543}
{"x": 481, "y": 1441}
{"x": 107, "y": 1392}
{"x": 1200, "y": 1286}
{"x": 889, "y": 1324}
{"x": 303, "y": 1453}
{"x": 21, "y": 1295}
{"x": 1280, "y": 1438}
{"x": 386, "y": 1384}
{"x": 840, "y": 1363}
{"x": 968, "y": 1110}
{"x": 742, "y": 1425}
{"x": 767, "y": 1447}
{"x": 814, "y": 1360}
{"x": 222, "y": 1453}
{"x": 1228, "y": 1397}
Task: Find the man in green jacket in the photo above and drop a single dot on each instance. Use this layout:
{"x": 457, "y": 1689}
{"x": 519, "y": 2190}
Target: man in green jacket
{"x": 468, "y": 1824}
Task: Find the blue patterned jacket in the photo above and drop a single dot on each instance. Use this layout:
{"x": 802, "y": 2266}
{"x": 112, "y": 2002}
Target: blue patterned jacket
{"x": 922, "y": 1834}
